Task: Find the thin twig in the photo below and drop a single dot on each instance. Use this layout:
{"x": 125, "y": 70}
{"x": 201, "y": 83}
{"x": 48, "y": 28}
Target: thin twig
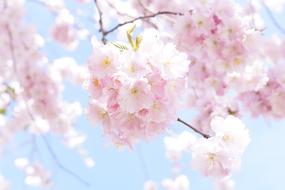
{"x": 60, "y": 165}
{"x": 101, "y": 26}
{"x": 129, "y": 16}
{"x": 277, "y": 25}
{"x": 117, "y": 11}
{"x": 144, "y": 7}
{"x": 107, "y": 32}
{"x": 142, "y": 162}
{"x": 141, "y": 18}
{"x": 194, "y": 129}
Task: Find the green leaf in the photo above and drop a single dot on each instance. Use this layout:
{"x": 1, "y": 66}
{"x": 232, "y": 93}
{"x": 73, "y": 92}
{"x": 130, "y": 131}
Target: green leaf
{"x": 130, "y": 39}
{"x": 2, "y": 111}
{"x": 129, "y": 36}
{"x": 122, "y": 47}
{"x": 131, "y": 30}
{"x": 138, "y": 42}
{"x": 11, "y": 91}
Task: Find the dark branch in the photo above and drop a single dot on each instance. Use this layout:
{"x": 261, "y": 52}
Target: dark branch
{"x": 106, "y": 32}
{"x": 101, "y": 26}
{"x": 194, "y": 129}
{"x": 141, "y": 18}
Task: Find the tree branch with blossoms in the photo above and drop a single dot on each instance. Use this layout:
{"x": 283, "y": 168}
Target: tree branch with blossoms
{"x": 105, "y": 33}
{"x": 136, "y": 89}
{"x": 30, "y": 114}
{"x": 142, "y": 18}
{"x": 101, "y": 25}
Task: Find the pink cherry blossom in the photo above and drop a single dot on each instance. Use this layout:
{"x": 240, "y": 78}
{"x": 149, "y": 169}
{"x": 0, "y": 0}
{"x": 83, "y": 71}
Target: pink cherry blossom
{"x": 4, "y": 185}
{"x": 176, "y": 145}
{"x": 225, "y": 183}
{"x": 150, "y": 185}
{"x": 135, "y": 96}
{"x": 136, "y": 89}
{"x": 231, "y": 132}
{"x": 211, "y": 57}
{"x": 211, "y": 159}
{"x": 181, "y": 182}
{"x": 64, "y": 31}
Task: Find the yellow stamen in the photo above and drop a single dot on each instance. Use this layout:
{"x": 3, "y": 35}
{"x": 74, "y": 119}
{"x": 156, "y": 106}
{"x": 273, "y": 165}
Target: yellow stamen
{"x": 96, "y": 82}
{"x": 134, "y": 91}
{"x": 211, "y": 156}
{"x": 227, "y": 138}
{"x": 200, "y": 23}
{"x": 237, "y": 61}
{"x": 106, "y": 62}
{"x": 132, "y": 69}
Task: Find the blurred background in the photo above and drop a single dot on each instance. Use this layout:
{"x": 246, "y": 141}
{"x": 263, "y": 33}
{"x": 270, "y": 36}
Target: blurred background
{"x": 263, "y": 163}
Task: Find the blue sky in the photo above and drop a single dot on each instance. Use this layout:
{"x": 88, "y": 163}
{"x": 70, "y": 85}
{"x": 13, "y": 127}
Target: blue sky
{"x": 262, "y": 168}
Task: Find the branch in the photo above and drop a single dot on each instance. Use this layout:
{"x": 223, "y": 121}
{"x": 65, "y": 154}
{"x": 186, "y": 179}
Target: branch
{"x": 117, "y": 11}
{"x": 193, "y": 128}
{"x": 142, "y": 162}
{"x": 107, "y": 32}
{"x": 268, "y": 11}
{"x": 101, "y": 27}
{"x": 144, "y": 7}
{"x": 60, "y": 165}
{"x": 141, "y": 18}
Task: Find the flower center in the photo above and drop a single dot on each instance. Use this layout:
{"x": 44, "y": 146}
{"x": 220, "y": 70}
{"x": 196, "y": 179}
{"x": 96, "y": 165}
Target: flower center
{"x": 106, "y": 62}
{"x": 96, "y": 82}
{"x": 134, "y": 91}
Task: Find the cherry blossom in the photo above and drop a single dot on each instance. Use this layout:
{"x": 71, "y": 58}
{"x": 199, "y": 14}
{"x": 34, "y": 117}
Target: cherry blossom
{"x": 4, "y": 184}
{"x": 219, "y": 155}
{"x": 177, "y": 144}
{"x": 150, "y": 185}
{"x": 179, "y": 183}
{"x": 64, "y": 31}
{"x": 135, "y": 89}
{"x": 232, "y": 133}
{"x": 225, "y": 183}
{"x": 149, "y": 60}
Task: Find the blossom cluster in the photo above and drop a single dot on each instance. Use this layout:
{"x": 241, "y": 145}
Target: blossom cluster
{"x": 268, "y": 100}
{"x": 31, "y": 93}
{"x": 36, "y": 175}
{"x": 220, "y": 154}
{"x": 208, "y": 55}
{"x": 217, "y": 156}
{"x": 135, "y": 91}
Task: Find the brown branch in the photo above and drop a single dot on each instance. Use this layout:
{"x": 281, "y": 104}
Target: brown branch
{"x": 101, "y": 26}
{"x": 193, "y": 128}
{"x": 141, "y": 18}
{"x": 107, "y": 32}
